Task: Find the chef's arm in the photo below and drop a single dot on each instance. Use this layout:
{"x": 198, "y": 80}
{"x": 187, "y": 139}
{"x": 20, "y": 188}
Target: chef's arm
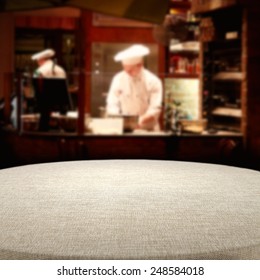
{"x": 152, "y": 114}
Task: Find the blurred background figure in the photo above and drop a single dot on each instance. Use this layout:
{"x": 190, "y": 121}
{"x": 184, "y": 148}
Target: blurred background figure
{"x": 47, "y": 67}
{"x": 47, "y": 71}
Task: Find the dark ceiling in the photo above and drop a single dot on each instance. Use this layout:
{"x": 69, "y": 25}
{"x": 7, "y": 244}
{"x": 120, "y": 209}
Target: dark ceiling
{"x": 152, "y": 11}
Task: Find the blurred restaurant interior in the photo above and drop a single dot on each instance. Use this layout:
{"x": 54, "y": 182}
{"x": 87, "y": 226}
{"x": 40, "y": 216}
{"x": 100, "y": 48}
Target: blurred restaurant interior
{"x": 206, "y": 54}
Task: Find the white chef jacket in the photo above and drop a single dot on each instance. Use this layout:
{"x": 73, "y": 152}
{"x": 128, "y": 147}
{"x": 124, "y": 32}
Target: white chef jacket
{"x": 50, "y": 70}
{"x": 141, "y": 95}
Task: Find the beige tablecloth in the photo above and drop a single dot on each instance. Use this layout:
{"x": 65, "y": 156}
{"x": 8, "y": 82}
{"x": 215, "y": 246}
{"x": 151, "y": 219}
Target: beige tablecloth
{"x": 129, "y": 209}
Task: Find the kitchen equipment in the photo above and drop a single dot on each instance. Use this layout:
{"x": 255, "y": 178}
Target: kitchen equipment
{"x": 105, "y": 126}
{"x": 130, "y": 122}
{"x": 30, "y": 122}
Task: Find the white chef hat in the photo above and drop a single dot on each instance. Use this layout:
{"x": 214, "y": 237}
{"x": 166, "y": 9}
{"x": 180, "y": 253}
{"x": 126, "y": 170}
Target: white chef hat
{"x": 132, "y": 55}
{"x": 43, "y": 54}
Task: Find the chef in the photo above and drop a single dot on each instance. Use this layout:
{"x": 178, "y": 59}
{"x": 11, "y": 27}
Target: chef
{"x": 47, "y": 67}
{"x": 135, "y": 90}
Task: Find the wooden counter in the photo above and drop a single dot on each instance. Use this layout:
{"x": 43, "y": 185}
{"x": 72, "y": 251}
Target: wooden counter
{"x": 36, "y": 147}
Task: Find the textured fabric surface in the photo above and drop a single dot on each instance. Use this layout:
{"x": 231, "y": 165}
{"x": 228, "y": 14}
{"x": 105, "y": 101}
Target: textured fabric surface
{"x": 129, "y": 209}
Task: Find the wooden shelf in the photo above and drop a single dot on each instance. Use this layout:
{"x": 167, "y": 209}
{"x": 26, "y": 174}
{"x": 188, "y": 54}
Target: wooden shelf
{"x": 182, "y": 75}
{"x": 228, "y": 112}
{"x": 223, "y": 64}
{"x": 228, "y": 76}
{"x": 185, "y": 47}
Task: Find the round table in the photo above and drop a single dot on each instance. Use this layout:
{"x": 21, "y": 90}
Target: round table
{"x": 129, "y": 209}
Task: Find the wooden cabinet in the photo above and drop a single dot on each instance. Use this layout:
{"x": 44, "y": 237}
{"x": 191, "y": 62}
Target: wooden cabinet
{"x": 39, "y": 148}
{"x": 220, "y": 18}
{"x": 223, "y": 74}
{"x": 222, "y": 84}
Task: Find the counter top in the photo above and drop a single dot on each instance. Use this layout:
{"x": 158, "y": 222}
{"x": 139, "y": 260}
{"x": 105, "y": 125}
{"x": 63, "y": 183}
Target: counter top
{"x": 136, "y": 133}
